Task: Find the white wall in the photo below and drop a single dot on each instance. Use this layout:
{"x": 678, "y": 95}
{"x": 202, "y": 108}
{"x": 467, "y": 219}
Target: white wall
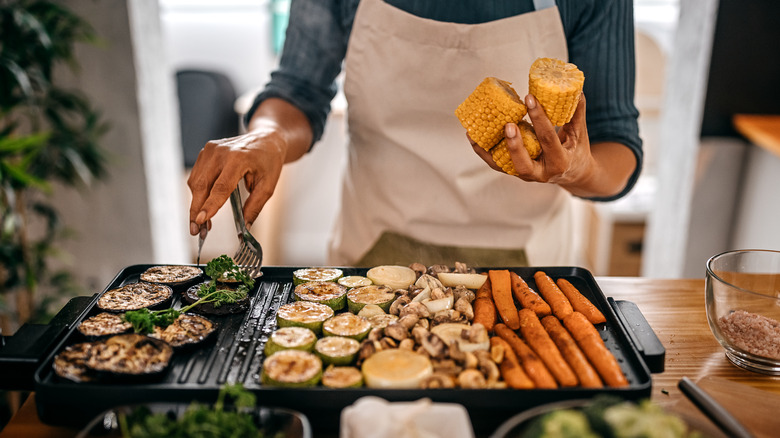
{"x": 126, "y": 219}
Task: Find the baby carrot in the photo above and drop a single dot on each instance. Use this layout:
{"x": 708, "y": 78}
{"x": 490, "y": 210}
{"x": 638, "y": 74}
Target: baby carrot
{"x": 510, "y": 367}
{"x": 592, "y": 345}
{"x": 561, "y": 307}
{"x": 502, "y": 297}
{"x": 585, "y": 372}
{"x": 580, "y": 303}
{"x": 537, "y": 338}
{"x": 527, "y": 298}
{"x": 485, "y": 291}
{"x": 533, "y": 366}
{"x": 484, "y": 313}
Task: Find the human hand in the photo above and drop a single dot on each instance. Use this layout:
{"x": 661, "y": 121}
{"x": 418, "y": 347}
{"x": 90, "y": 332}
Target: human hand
{"x": 566, "y": 157}
{"x": 257, "y": 157}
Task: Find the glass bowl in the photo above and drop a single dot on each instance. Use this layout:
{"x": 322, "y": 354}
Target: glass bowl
{"x": 743, "y": 307}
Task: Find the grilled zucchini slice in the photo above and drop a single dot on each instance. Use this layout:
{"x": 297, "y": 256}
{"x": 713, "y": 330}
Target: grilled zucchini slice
{"x": 342, "y": 377}
{"x": 290, "y": 338}
{"x": 337, "y": 350}
{"x": 358, "y": 297}
{"x": 347, "y": 325}
{"x": 316, "y": 274}
{"x": 328, "y": 293}
{"x": 303, "y": 314}
{"x": 292, "y": 369}
{"x": 354, "y": 281}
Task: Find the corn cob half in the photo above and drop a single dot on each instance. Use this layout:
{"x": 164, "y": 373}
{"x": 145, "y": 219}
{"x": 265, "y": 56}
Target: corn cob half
{"x": 493, "y": 104}
{"x": 500, "y": 152}
{"x": 557, "y": 86}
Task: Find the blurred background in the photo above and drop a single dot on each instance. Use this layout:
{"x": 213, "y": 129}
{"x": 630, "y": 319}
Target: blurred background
{"x": 167, "y": 75}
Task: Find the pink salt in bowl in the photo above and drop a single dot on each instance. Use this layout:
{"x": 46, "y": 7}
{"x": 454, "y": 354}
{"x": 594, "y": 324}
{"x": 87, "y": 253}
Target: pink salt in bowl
{"x": 743, "y": 307}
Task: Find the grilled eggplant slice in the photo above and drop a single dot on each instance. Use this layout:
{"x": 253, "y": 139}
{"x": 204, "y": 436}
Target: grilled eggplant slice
{"x": 130, "y": 356}
{"x": 175, "y": 276}
{"x": 135, "y": 296}
{"x": 104, "y": 324}
{"x": 71, "y": 363}
{"x": 191, "y": 295}
{"x": 186, "y": 331}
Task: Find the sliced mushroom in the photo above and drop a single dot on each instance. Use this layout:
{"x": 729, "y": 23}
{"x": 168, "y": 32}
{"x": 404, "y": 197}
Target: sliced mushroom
{"x": 406, "y": 344}
{"x": 446, "y": 366}
{"x": 472, "y": 379}
{"x": 409, "y": 321}
{"x": 461, "y": 291}
{"x": 376, "y": 334}
{"x": 438, "y": 380}
{"x": 463, "y": 268}
{"x": 489, "y": 369}
{"x": 434, "y": 345}
{"x": 435, "y": 269}
{"x": 396, "y": 331}
{"x": 398, "y": 304}
{"x": 388, "y": 343}
{"x": 367, "y": 349}
{"x": 418, "y": 269}
{"x": 420, "y": 333}
{"x": 464, "y": 306}
{"x": 477, "y": 333}
{"x": 424, "y": 323}
{"x": 418, "y": 309}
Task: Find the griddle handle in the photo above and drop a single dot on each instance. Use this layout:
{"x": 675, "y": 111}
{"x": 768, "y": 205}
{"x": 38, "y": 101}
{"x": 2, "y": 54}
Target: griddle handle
{"x": 640, "y": 333}
{"x": 22, "y": 353}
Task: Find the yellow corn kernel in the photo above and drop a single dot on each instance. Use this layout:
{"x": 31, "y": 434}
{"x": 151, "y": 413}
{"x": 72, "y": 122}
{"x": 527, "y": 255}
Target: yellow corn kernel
{"x": 530, "y": 141}
{"x": 493, "y": 104}
{"x": 557, "y": 86}
{"x": 502, "y": 159}
{"x": 500, "y": 152}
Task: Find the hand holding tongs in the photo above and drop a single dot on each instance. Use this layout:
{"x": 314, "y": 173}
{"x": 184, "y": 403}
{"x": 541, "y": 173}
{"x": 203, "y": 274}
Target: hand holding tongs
{"x": 249, "y": 255}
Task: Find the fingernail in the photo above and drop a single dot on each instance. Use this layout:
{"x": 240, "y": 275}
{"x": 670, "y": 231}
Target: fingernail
{"x": 510, "y": 130}
{"x": 194, "y": 228}
{"x": 200, "y": 217}
{"x": 530, "y": 101}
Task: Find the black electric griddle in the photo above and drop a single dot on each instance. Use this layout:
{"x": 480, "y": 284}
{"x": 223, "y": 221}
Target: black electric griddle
{"x": 236, "y": 355}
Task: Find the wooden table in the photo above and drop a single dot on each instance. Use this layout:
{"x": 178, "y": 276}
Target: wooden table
{"x": 675, "y": 310}
{"x": 761, "y": 130}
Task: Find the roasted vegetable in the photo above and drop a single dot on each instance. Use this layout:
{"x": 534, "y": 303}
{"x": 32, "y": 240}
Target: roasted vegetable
{"x": 557, "y": 86}
{"x": 486, "y": 111}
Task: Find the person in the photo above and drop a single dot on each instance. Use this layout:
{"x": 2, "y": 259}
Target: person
{"x": 413, "y": 190}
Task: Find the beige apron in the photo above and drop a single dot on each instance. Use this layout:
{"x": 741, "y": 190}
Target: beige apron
{"x": 411, "y": 170}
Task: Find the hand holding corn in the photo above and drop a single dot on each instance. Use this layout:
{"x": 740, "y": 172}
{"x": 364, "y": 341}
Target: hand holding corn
{"x": 562, "y": 156}
{"x": 486, "y": 112}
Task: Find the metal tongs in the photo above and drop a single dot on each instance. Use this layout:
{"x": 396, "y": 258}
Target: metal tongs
{"x": 249, "y": 255}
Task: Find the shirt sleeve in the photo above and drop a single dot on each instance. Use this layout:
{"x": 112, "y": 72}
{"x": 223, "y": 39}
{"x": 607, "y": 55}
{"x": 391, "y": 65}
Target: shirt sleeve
{"x": 314, "y": 48}
{"x": 600, "y": 35}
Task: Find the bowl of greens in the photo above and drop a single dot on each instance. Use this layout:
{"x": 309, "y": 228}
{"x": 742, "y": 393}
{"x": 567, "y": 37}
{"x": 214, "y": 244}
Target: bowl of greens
{"x": 234, "y": 414}
{"x": 602, "y": 416}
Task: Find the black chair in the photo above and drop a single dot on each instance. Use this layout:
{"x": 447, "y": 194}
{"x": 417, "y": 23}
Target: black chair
{"x": 206, "y": 110}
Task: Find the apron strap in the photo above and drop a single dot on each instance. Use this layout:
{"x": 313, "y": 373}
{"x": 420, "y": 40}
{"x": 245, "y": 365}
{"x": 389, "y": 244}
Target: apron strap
{"x": 543, "y": 4}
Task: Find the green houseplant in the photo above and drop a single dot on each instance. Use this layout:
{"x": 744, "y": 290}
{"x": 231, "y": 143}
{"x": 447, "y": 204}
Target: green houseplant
{"x": 48, "y": 135}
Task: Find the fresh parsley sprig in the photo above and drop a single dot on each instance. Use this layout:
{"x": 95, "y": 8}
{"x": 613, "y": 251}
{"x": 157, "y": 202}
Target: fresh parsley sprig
{"x": 220, "y": 268}
{"x": 198, "y": 419}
